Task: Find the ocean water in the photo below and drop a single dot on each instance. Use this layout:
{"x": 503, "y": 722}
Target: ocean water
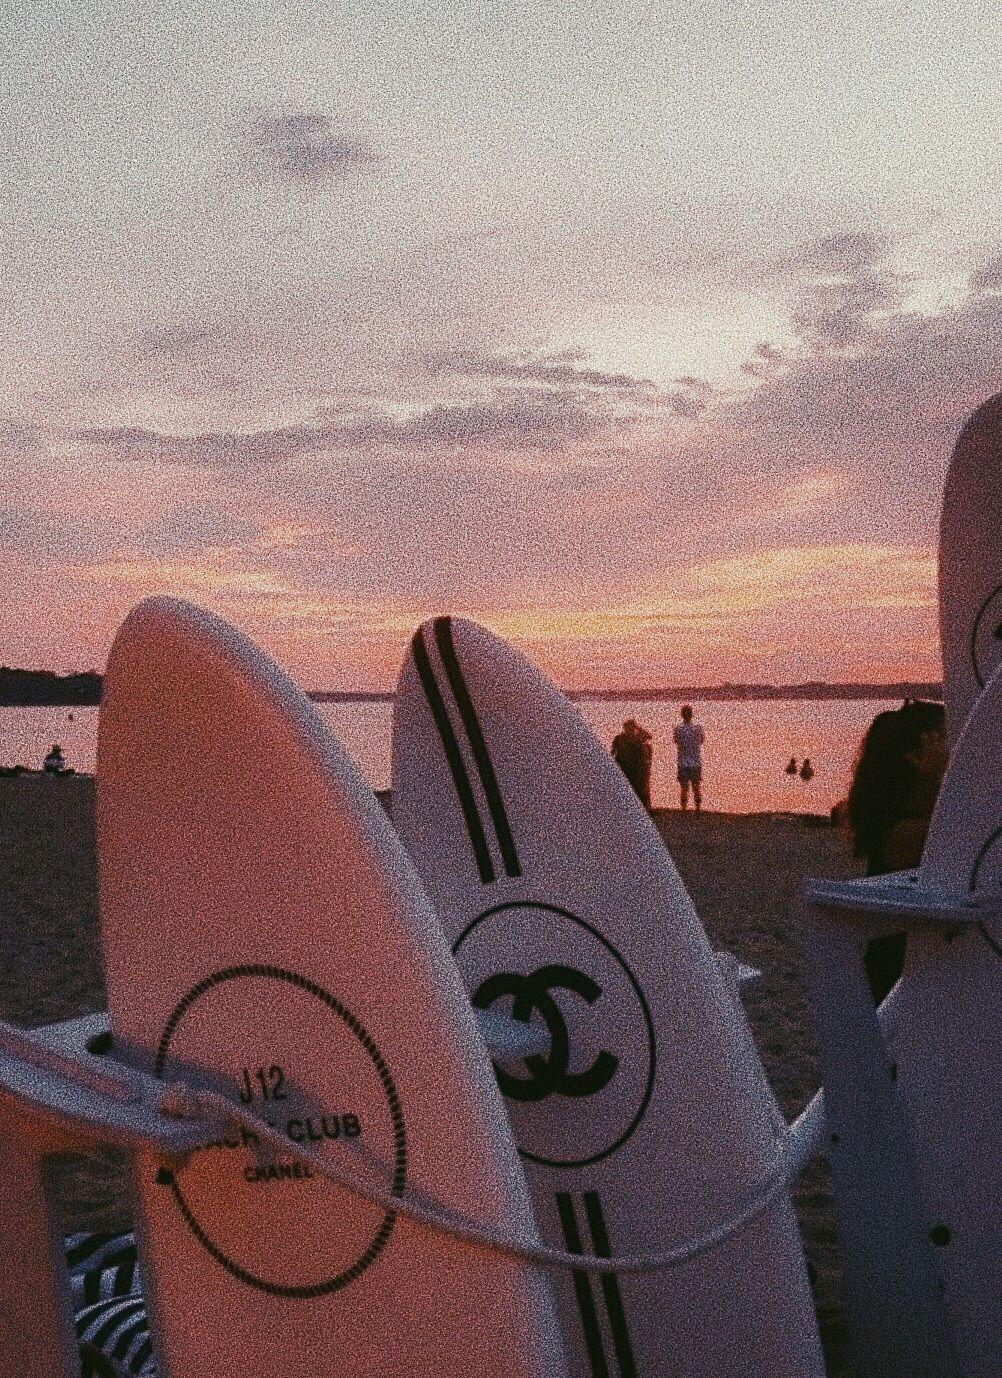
{"x": 748, "y": 743}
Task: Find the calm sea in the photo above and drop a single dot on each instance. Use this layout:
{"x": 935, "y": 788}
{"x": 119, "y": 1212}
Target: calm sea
{"x": 747, "y": 745}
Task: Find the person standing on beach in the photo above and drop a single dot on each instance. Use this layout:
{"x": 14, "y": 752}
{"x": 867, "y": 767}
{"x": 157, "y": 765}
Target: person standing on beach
{"x": 633, "y": 752}
{"x": 689, "y": 738}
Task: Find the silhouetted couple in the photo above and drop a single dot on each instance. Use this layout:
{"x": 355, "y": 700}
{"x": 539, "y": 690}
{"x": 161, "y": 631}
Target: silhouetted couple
{"x": 633, "y": 752}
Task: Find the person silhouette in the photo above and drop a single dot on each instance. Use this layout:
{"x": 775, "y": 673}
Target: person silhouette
{"x": 55, "y": 762}
{"x": 633, "y": 752}
{"x": 791, "y": 766}
{"x": 807, "y": 770}
{"x": 689, "y": 738}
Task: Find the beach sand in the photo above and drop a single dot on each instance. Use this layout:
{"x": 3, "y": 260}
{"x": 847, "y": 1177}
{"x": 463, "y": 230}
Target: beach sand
{"x": 742, "y": 870}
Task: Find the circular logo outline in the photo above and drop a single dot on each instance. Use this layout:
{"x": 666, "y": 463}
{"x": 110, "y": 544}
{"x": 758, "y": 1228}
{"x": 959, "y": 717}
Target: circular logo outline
{"x": 355, "y": 1027}
{"x": 985, "y": 848}
{"x": 648, "y": 1021}
{"x": 975, "y": 632}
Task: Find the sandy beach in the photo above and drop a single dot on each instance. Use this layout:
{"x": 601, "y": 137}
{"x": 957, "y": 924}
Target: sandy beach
{"x": 742, "y": 871}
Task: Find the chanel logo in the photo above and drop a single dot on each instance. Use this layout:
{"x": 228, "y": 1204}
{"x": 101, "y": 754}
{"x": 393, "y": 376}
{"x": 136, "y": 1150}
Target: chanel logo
{"x": 579, "y": 1102}
{"x": 298, "y": 1260}
{"x": 549, "y": 1076}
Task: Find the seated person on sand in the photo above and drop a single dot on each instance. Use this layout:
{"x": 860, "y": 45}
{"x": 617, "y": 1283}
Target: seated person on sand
{"x": 633, "y": 752}
{"x": 55, "y": 762}
{"x": 896, "y": 778}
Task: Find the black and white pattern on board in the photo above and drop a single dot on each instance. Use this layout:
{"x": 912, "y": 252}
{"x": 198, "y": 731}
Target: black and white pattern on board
{"x": 466, "y": 762}
{"x": 108, "y": 1306}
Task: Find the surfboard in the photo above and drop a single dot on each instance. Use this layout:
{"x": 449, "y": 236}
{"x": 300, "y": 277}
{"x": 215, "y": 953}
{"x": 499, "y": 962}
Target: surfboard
{"x": 265, "y": 936}
{"x": 947, "y": 1044}
{"x": 650, "y": 1119}
{"x": 970, "y": 563}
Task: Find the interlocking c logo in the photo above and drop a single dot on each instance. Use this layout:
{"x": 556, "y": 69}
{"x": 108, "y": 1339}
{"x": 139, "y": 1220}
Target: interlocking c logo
{"x": 550, "y": 1076}
{"x": 606, "y": 1101}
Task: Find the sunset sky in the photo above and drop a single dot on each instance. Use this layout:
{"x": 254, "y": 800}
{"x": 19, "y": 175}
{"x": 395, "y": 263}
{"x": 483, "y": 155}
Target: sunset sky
{"x": 639, "y": 332}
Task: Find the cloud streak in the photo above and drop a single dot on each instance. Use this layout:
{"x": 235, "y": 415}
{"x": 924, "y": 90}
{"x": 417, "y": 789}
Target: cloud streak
{"x": 683, "y": 522}
{"x": 519, "y": 421}
{"x": 210, "y": 449}
{"x": 307, "y": 147}
{"x": 561, "y": 370}
{"x": 843, "y": 288}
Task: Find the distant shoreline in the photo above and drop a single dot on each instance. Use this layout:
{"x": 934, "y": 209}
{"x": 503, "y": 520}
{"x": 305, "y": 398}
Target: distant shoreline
{"x": 742, "y": 692}
{"x": 42, "y": 689}
{"x": 384, "y": 796}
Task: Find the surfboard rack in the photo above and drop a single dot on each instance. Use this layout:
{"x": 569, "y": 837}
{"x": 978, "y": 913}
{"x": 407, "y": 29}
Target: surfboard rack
{"x": 509, "y": 1040}
{"x": 89, "y": 1038}
{"x": 57, "y": 1099}
{"x": 894, "y": 900}
{"x": 736, "y": 972}
{"x": 72, "y": 1103}
{"x": 901, "y": 900}
{"x": 62, "y": 1089}
{"x": 893, "y": 1290}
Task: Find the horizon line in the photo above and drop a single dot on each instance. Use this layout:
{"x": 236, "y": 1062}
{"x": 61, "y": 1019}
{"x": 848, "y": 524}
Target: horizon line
{"x": 732, "y": 689}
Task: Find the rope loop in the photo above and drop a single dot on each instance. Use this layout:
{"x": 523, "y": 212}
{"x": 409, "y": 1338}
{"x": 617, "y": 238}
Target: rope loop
{"x": 182, "y": 1101}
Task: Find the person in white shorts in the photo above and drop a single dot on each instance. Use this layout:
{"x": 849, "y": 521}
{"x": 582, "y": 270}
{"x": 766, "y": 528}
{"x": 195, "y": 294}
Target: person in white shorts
{"x": 689, "y": 739}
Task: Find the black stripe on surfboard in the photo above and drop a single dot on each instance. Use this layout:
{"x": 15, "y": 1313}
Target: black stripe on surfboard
{"x": 454, "y": 758}
{"x": 610, "y": 1288}
{"x": 582, "y": 1288}
{"x": 481, "y": 756}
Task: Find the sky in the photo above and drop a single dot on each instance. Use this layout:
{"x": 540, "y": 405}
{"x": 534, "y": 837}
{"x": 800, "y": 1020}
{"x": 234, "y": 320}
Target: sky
{"x": 640, "y": 333}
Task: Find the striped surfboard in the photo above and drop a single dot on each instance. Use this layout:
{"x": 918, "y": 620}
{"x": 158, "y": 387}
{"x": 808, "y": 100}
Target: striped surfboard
{"x": 650, "y": 1118}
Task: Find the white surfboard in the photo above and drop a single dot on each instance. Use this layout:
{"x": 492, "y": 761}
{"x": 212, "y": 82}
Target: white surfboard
{"x": 947, "y": 1043}
{"x": 265, "y": 934}
{"x": 650, "y": 1119}
{"x": 970, "y": 563}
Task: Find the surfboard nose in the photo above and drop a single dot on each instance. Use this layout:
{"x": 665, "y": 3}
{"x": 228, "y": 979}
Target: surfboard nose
{"x": 970, "y": 563}
{"x": 163, "y": 615}
{"x": 449, "y": 640}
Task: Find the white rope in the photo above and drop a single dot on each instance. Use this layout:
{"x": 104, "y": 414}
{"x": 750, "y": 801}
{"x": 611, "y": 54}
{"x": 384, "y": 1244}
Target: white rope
{"x": 183, "y": 1101}
{"x": 178, "y": 1100}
